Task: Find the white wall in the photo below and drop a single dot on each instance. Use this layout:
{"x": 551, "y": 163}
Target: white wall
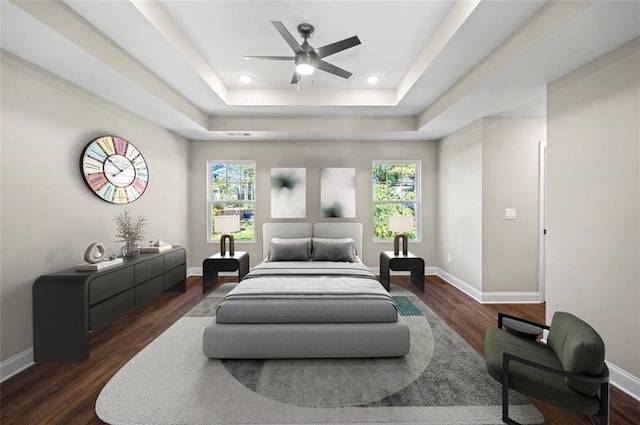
{"x": 49, "y": 216}
{"x": 460, "y": 204}
{"x": 593, "y": 214}
{"x": 313, "y": 156}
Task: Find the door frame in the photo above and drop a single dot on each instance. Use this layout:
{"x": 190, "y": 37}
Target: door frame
{"x": 542, "y": 201}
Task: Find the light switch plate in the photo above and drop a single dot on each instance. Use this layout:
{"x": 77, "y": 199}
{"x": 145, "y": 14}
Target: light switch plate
{"x": 510, "y": 213}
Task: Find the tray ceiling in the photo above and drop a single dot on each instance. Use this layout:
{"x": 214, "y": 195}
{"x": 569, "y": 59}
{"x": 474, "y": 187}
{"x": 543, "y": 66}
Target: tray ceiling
{"x": 441, "y": 64}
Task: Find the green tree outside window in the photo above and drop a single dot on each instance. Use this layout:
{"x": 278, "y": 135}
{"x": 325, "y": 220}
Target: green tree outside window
{"x": 231, "y": 191}
{"x": 395, "y": 192}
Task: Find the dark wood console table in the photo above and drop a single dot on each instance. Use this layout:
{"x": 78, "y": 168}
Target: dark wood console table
{"x": 69, "y": 304}
{"x": 409, "y": 262}
{"x": 211, "y": 266}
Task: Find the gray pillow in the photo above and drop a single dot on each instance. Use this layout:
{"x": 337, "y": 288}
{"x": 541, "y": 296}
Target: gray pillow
{"x": 294, "y": 249}
{"x": 325, "y": 249}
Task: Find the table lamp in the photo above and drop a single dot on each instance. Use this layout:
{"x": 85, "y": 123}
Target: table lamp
{"x": 401, "y": 224}
{"x": 226, "y": 224}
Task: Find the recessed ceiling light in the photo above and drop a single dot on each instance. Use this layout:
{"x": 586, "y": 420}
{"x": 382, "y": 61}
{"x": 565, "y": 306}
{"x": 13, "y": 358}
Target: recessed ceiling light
{"x": 245, "y": 79}
{"x": 373, "y": 79}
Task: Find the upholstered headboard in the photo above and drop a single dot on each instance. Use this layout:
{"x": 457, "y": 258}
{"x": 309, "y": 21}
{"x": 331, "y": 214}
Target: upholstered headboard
{"x": 340, "y": 230}
{"x": 305, "y": 230}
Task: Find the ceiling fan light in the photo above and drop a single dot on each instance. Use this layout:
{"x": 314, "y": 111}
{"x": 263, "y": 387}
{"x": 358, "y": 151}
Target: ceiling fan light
{"x": 303, "y": 65}
{"x": 304, "y": 69}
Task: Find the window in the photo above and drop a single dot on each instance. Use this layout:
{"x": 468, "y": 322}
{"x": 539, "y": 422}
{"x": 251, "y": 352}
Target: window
{"x": 396, "y": 191}
{"x": 231, "y": 190}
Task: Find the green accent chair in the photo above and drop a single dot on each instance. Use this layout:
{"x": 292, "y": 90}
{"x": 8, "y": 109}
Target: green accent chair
{"x": 568, "y": 371}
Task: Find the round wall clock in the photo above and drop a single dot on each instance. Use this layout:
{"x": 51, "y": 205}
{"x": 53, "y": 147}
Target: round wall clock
{"x": 114, "y": 169}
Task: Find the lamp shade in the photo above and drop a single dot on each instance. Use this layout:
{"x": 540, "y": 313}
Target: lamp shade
{"x": 401, "y": 223}
{"x": 226, "y": 223}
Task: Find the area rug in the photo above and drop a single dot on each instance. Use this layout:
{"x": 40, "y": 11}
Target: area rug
{"x": 441, "y": 381}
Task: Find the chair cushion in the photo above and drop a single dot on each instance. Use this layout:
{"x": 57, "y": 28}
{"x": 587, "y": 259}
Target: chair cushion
{"x": 579, "y": 348}
{"x": 530, "y": 381}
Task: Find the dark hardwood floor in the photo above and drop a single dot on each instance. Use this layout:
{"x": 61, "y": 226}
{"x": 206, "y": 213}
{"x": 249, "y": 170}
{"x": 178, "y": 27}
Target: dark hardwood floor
{"x": 65, "y": 393}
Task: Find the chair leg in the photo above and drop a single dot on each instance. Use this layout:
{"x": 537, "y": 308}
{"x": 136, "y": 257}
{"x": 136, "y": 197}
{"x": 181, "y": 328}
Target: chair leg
{"x": 505, "y": 397}
{"x": 603, "y": 414}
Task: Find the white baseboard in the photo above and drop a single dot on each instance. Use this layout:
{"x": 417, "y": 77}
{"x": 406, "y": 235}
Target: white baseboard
{"x": 431, "y": 271}
{"x": 16, "y": 364}
{"x": 489, "y": 297}
{"x": 624, "y": 381}
{"x": 460, "y": 284}
{"x": 194, "y": 271}
{"x": 427, "y": 271}
{"x": 510, "y": 298}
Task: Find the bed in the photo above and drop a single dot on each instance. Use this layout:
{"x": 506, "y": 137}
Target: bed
{"x": 311, "y": 297}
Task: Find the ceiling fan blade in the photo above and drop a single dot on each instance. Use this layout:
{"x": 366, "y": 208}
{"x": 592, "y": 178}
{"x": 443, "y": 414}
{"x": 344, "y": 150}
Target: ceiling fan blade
{"x": 295, "y": 78}
{"x": 338, "y": 46}
{"x": 291, "y": 41}
{"x": 327, "y": 67}
{"x": 274, "y": 58}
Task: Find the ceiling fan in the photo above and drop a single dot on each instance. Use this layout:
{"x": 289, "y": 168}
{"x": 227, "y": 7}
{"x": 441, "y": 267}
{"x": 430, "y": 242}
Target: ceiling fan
{"x": 307, "y": 58}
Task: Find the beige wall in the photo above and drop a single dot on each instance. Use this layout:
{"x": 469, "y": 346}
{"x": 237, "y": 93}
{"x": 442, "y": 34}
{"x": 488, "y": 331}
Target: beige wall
{"x": 313, "y": 156}
{"x": 510, "y": 180}
{"x": 460, "y": 204}
{"x": 593, "y": 214}
{"x": 484, "y": 168}
{"x": 49, "y": 216}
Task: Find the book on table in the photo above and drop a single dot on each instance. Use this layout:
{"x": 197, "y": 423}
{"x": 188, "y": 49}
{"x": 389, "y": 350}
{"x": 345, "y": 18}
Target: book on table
{"x": 152, "y": 248}
{"x": 83, "y": 267}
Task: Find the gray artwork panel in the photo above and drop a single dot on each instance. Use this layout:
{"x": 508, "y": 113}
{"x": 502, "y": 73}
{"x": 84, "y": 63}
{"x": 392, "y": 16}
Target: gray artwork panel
{"x": 288, "y": 193}
{"x": 338, "y": 192}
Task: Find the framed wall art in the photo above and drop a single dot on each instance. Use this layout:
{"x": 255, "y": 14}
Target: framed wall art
{"x": 288, "y": 193}
{"x": 338, "y": 192}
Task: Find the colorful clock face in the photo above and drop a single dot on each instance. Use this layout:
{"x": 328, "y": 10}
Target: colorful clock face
{"x": 114, "y": 170}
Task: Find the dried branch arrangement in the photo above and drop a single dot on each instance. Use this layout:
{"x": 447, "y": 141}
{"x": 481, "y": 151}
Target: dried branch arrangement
{"x": 128, "y": 228}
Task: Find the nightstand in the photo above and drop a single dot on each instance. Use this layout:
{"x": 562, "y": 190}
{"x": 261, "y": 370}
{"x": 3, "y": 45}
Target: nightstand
{"x": 409, "y": 262}
{"x": 223, "y": 263}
